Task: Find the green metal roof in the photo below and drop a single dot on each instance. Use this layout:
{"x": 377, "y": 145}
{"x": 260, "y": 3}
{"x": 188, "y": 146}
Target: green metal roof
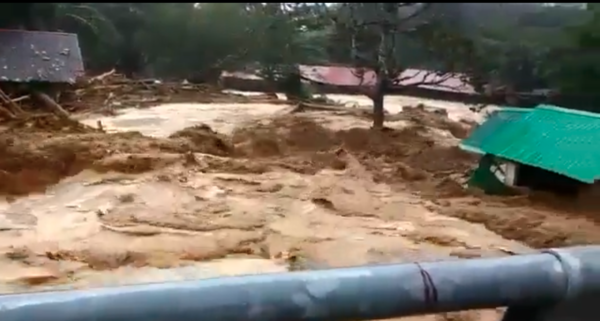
{"x": 496, "y": 122}
{"x": 556, "y": 139}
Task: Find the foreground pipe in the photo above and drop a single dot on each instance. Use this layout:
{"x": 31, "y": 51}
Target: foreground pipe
{"x": 370, "y": 292}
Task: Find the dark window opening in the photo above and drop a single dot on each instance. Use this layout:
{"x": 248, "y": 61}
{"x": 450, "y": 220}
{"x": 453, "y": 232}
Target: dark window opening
{"x": 543, "y": 180}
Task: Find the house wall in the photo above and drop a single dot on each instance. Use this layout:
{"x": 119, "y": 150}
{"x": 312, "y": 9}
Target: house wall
{"x": 510, "y": 170}
{"x": 506, "y": 172}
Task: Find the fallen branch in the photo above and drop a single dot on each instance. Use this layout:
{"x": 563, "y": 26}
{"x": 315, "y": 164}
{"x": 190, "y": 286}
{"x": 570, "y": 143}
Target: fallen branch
{"x": 18, "y": 99}
{"x": 303, "y": 106}
{"x": 51, "y": 104}
{"x": 102, "y": 76}
{"x": 340, "y": 110}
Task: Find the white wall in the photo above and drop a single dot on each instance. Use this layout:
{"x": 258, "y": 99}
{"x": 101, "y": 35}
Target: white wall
{"x": 506, "y": 172}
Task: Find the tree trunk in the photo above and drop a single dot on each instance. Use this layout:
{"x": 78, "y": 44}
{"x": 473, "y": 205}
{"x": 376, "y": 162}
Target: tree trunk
{"x": 378, "y": 115}
{"x": 377, "y": 97}
{"x": 378, "y": 111}
{"x": 292, "y": 87}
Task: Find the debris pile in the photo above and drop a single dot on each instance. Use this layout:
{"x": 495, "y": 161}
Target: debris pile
{"x": 108, "y": 92}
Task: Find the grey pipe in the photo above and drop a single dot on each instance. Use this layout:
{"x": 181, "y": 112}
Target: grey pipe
{"x": 370, "y": 292}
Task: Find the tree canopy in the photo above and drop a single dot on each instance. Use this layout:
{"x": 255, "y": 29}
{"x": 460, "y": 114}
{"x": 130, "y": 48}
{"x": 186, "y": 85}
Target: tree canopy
{"x": 525, "y": 46}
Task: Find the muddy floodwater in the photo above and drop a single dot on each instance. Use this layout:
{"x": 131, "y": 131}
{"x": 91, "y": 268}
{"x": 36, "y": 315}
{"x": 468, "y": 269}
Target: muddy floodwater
{"x": 204, "y": 190}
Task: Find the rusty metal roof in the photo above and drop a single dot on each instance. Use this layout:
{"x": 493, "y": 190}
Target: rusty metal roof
{"x": 27, "y": 56}
{"x": 347, "y": 76}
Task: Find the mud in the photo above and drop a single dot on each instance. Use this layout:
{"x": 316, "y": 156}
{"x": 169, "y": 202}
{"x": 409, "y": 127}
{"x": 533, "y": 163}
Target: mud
{"x": 237, "y": 190}
{"x": 433, "y": 118}
{"x": 39, "y": 152}
{"x": 537, "y": 226}
{"x": 408, "y": 150}
{"x": 411, "y": 157}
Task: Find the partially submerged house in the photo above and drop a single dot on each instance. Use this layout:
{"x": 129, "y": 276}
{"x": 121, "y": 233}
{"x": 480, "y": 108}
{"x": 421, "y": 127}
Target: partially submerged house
{"x": 39, "y": 56}
{"x": 546, "y": 147}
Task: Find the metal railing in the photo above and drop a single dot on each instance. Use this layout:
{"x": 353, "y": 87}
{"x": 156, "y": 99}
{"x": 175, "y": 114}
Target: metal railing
{"x": 534, "y": 287}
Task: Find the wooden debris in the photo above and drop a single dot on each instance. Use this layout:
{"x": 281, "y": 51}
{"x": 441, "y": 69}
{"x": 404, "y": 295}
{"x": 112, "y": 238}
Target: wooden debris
{"x": 107, "y": 92}
{"x": 6, "y": 114}
{"x": 11, "y": 104}
{"x": 51, "y": 104}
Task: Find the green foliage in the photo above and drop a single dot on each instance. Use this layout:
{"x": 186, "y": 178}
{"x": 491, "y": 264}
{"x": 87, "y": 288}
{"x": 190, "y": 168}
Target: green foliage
{"x": 527, "y": 46}
{"x": 574, "y": 67}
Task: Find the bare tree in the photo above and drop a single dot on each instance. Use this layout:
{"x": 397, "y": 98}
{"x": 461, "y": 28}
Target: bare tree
{"x": 382, "y": 59}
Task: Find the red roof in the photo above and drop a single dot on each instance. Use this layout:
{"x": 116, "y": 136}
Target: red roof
{"x": 347, "y": 76}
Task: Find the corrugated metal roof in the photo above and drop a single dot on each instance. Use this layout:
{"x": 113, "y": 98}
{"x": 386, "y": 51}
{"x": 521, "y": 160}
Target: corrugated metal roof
{"x": 556, "y": 139}
{"x": 39, "y": 56}
{"x": 496, "y": 122}
{"x": 353, "y": 77}
{"x": 348, "y": 76}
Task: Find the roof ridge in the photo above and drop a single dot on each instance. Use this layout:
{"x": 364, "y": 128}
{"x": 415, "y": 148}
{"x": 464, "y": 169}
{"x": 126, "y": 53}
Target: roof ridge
{"x": 568, "y": 111}
{"x": 519, "y": 109}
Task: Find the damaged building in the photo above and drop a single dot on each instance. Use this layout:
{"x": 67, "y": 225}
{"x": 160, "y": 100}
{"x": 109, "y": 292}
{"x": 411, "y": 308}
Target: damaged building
{"x": 544, "y": 148}
{"x": 36, "y": 65}
{"x": 38, "y": 56}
